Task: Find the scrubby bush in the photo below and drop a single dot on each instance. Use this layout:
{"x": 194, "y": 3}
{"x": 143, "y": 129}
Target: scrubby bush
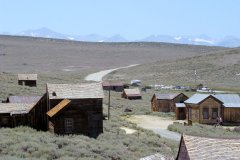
{"x": 203, "y": 130}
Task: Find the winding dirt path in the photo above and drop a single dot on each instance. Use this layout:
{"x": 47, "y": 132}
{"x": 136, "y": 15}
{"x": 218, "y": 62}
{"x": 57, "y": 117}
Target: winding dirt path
{"x": 97, "y": 77}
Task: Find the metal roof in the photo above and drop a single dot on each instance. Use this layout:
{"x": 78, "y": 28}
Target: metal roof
{"x": 166, "y": 96}
{"x": 75, "y": 91}
{"x": 132, "y": 92}
{"x": 27, "y": 76}
{"x": 206, "y": 148}
{"x": 58, "y": 107}
{"x": 180, "y": 105}
{"x": 24, "y": 99}
{"x": 197, "y": 98}
{"x": 229, "y": 100}
{"x": 15, "y": 108}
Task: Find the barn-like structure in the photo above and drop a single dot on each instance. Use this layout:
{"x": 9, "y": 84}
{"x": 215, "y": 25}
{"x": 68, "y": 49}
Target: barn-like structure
{"x": 206, "y": 148}
{"x": 169, "y": 103}
{"x": 131, "y": 94}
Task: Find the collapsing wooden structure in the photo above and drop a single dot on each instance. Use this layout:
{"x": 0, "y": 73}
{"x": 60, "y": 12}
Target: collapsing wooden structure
{"x": 205, "y": 108}
{"x": 131, "y": 94}
{"x": 63, "y": 109}
{"x": 205, "y": 148}
{"x": 27, "y": 80}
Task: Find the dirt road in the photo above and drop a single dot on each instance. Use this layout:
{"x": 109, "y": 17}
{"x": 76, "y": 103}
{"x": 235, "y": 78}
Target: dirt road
{"x": 97, "y": 77}
{"x": 158, "y": 125}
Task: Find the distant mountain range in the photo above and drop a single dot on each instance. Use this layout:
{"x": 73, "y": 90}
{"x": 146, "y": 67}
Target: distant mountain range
{"x": 229, "y": 41}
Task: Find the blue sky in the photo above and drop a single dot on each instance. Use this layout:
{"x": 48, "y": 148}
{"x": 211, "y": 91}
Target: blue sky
{"x": 132, "y": 19}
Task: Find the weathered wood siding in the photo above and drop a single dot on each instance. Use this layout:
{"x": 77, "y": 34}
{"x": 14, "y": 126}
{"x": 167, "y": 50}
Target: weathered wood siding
{"x": 37, "y": 116}
{"x": 5, "y": 120}
{"x": 231, "y": 115}
{"x": 30, "y": 83}
{"x": 166, "y": 105}
{"x": 86, "y": 114}
{"x": 209, "y": 103}
{"x": 182, "y": 153}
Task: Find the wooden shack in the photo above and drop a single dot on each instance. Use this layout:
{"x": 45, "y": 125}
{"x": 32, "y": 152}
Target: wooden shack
{"x": 27, "y": 80}
{"x": 113, "y": 86}
{"x": 131, "y": 94}
{"x": 205, "y": 148}
{"x": 167, "y": 102}
{"x": 75, "y": 108}
{"x": 205, "y": 108}
{"x": 14, "y": 114}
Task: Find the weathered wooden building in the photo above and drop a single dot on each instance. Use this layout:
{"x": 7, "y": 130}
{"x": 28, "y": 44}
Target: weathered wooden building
{"x": 75, "y": 108}
{"x": 27, "y": 80}
{"x": 206, "y": 148}
{"x": 14, "y": 114}
{"x": 167, "y": 102}
{"x": 131, "y": 94}
{"x": 205, "y": 108}
{"x": 114, "y": 86}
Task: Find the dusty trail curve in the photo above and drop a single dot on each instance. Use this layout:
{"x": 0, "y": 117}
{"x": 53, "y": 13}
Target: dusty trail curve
{"x": 97, "y": 77}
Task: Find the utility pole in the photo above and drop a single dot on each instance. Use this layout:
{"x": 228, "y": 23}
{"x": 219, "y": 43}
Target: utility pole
{"x": 109, "y": 103}
{"x": 195, "y": 77}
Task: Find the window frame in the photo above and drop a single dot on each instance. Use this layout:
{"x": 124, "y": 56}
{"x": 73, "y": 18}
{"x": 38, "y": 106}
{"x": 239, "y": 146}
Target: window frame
{"x": 68, "y": 125}
{"x": 204, "y": 110}
{"x": 216, "y": 109}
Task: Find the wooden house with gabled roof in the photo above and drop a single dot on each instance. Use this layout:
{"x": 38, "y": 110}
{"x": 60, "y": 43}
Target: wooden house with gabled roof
{"x": 206, "y": 148}
{"x": 75, "y": 108}
{"x": 169, "y": 103}
{"x": 205, "y": 108}
{"x": 27, "y": 80}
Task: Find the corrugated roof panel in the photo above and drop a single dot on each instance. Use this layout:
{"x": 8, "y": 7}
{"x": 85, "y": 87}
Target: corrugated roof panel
{"x": 180, "y": 105}
{"x": 166, "y": 96}
{"x": 24, "y": 99}
{"x": 15, "y": 108}
{"x": 75, "y": 91}
{"x": 196, "y": 98}
{"x": 58, "y": 107}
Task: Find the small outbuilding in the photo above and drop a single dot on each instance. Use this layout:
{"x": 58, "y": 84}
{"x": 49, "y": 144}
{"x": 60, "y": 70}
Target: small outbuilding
{"x": 205, "y": 148}
{"x": 131, "y": 94}
{"x": 27, "y": 80}
{"x": 114, "y": 86}
{"x": 167, "y": 102}
{"x": 14, "y": 114}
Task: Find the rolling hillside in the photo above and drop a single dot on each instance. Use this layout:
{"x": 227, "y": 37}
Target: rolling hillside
{"x": 26, "y": 54}
{"x": 219, "y": 70}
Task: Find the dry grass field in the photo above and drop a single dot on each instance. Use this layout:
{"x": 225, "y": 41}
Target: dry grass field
{"x": 60, "y": 61}
{"x": 217, "y": 70}
{"x": 26, "y": 54}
